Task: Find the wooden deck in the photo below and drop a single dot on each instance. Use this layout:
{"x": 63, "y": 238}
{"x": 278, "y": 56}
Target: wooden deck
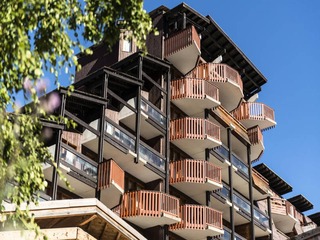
{"x": 89, "y": 214}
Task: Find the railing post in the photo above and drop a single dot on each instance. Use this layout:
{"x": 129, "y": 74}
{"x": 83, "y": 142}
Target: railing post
{"x": 230, "y": 170}
{"x": 270, "y": 217}
{"x": 250, "y": 192}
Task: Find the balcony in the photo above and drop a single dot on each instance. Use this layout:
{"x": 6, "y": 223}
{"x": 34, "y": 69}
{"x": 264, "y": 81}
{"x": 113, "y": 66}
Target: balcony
{"x": 251, "y": 114}
{"x": 227, "y": 235}
{"x": 119, "y": 145}
{"x": 239, "y": 167}
{"x": 152, "y": 119}
{"x": 225, "y": 78}
{"x": 194, "y": 135}
{"x": 195, "y": 177}
{"x": 198, "y": 222}
{"x": 256, "y": 139}
{"x": 261, "y": 185}
{"x": 182, "y": 49}
{"x": 149, "y": 208}
{"x": 194, "y": 95}
{"x": 80, "y": 171}
{"x": 283, "y": 214}
{"x": 110, "y": 183}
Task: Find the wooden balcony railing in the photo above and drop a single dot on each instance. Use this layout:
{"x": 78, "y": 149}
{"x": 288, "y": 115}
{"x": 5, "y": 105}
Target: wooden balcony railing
{"x": 260, "y": 181}
{"x": 193, "y": 128}
{"x": 181, "y": 40}
{"x": 255, "y": 135}
{"x": 193, "y": 88}
{"x": 254, "y": 111}
{"x": 198, "y": 217}
{"x": 194, "y": 171}
{"x": 217, "y": 73}
{"x": 283, "y": 207}
{"x": 148, "y": 203}
{"x": 110, "y": 172}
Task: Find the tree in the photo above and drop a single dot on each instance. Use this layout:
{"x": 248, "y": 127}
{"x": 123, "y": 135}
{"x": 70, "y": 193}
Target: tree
{"x": 37, "y": 37}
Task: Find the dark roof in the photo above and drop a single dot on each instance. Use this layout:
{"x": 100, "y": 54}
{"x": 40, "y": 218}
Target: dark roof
{"x": 215, "y": 42}
{"x": 301, "y": 203}
{"x": 315, "y": 217}
{"x": 275, "y": 182}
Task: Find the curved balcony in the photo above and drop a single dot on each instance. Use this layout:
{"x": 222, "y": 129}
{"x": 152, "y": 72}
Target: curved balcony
{"x": 194, "y": 95}
{"x": 194, "y": 135}
{"x": 182, "y": 49}
{"x": 283, "y": 214}
{"x": 226, "y": 79}
{"x": 149, "y": 208}
{"x": 110, "y": 183}
{"x": 253, "y": 114}
{"x": 256, "y": 139}
{"x": 198, "y": 222}
{"x": 195, "y": 177}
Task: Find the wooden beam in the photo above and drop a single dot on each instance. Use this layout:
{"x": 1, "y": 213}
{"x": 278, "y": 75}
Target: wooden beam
{"x": 103, "y": 231}
{"x": 153, "y": 82}
{"x": 118, "y": 236}
{"x": 87, "y": 219}
{"x": 82, "y": 123}
{"x": 112, "y": 94}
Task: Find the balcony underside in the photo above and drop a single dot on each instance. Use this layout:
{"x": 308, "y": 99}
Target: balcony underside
{"x": 125, "y": 160}
{"x": 197, "y": 191}
{"x": 240, "y": 217}
{"x": 240, "y": 183}
{"x": 256, "y": 150}
{"x": 185, "y": 59}
{"x": 223, "y": 163}
{"x": 259, "y": 232}
{"x": 148, "y": 221}
{"x": 196, "y": 147}
{"x": 263, "y": 124}
{"x": 146, "y": 129}
{"x": 77, "y": 187}
{"x": 195, "y": 234}
{"x": 230, "y": 94}
{"x": 111, "y": 196}
{"x": 284, "y": 223}
{"x": 220, "y": 205}
{"x": 194, "y": 107}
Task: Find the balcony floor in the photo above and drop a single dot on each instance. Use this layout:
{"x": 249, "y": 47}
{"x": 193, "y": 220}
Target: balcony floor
{"x": 113, "y": 190}
{"x": 195, "y": 107}
{"x": 256, "y": 150}
{"x": 284, "y": 223}
{"x": 185, "y": 59}
{"x": 227, "y": 89}
{"x": 77, "y": 187}
{"x": 195, "y": 234}
{"x": 263, "y": 124}
{"x": 259, "y": 232}
{"x": 148, "y": 221}
{"x": 125, "y": 161}
{"x": 146, "y": 129}
{"x": 196, "y": 147}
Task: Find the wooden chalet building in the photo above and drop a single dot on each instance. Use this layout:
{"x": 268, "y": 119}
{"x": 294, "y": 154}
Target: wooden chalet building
{"x": 165, "y": 142}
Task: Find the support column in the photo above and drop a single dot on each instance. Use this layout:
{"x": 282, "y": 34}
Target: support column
{"x": 101, "y": 130}
{"x": 230, "y": 170}
{"x": 167, "y": 145}
{"x": 270, "y": 216}
{"x": 57, "y": 152}
{"x": 138, "y": 115}
{"x": 252, "y": 235}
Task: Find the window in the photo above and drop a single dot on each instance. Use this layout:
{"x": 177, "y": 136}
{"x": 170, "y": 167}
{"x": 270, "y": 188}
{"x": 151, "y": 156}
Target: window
{"x": 126, "y": 45}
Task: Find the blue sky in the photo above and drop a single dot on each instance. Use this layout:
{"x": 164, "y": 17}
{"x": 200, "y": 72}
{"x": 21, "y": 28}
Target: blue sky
{"x": 281, "y": 37}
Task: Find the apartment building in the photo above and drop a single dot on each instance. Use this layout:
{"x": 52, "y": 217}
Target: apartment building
{"x": 165, "y": 142}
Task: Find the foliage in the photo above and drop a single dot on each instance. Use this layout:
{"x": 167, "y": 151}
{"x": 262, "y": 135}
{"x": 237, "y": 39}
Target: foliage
{"x": 40, "y": 36}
